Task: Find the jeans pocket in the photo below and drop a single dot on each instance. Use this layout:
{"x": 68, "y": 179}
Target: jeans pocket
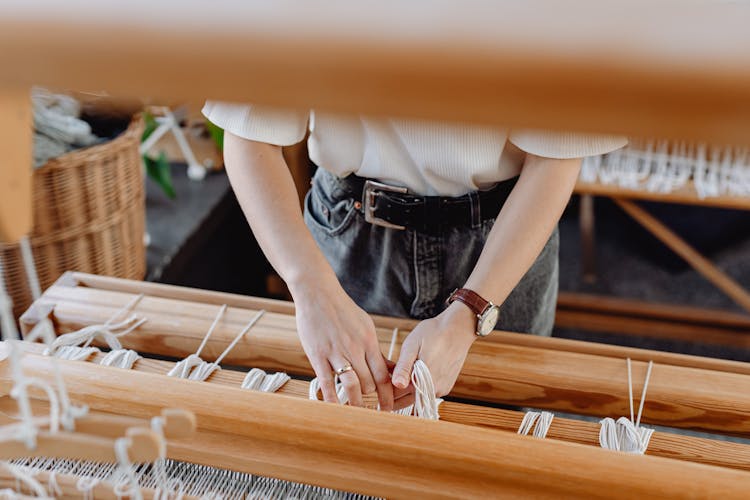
{"x": 331, "y": 216}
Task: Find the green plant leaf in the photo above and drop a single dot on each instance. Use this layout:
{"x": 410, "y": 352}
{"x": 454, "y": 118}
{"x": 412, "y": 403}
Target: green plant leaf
{"x": 217, "y": 134}
{"x": 158, "y": 169}
{"x": 149, "y": 125}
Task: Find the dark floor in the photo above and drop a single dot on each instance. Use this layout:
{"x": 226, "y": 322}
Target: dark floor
{"x": 201, "y": 240}
{"x": 633, "y": 264}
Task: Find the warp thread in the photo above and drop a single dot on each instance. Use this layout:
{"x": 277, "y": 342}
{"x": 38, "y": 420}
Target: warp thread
{"x": 543, "y": 421}
{"x": 258, "y": 380}
{"x": 198, "y": 481}
{"x": 194, "y": 368}
{"x": 665, "y": 167}
{"x": 314, "y": 390}
{"x": 126, "y": 486}
{"x": 120, "y": 358}
{"x": 26, "y": 477}
{"x": 75, "y": 345}
{"x": 75, "y": 353}
{"x": 627, "y": 434}
{"x": 425, "y": 402}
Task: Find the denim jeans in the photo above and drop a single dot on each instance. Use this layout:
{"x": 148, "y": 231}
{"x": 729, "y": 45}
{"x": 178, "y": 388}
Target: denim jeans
{"x": 410, "y": 274}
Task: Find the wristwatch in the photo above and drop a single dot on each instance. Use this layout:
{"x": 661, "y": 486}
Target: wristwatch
{"x": 487, "y": 312}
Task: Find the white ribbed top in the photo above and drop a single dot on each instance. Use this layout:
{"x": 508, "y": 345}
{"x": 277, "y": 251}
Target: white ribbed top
{"x": 429, "y": 158}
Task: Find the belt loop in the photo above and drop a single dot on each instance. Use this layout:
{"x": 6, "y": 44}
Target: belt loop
{"x": 476, "y": 209}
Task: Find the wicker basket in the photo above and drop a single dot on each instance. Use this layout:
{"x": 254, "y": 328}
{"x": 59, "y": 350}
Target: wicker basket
{"x": 89, "y": 215}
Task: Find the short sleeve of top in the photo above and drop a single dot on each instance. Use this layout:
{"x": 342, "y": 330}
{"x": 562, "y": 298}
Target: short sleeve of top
{"x": 282, "y": 127}
{"x": 564, "y": 145}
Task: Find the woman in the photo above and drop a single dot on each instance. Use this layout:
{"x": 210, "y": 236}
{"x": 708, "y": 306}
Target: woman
{"x": 401, "y": 213}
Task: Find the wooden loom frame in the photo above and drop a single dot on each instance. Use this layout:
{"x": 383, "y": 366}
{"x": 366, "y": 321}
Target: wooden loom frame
{"x": 625, "y": 316}
{"x": 101, "y": 291}
{"x": 398, "y": 456}
{"x": 356, "y": 70}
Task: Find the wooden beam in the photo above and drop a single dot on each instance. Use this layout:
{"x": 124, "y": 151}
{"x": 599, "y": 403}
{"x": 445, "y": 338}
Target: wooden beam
{"x": 587, "y": 66}
{"x": 698, "y": 262}
{"x": 663, "y": 444}
{"x": 397, "y": 456}
{"x": 617, "y": 306}
{"x": 16, "y": 163}
{"x": 505, "y": 373}
{"x": 684, "y": 196}
{"x": 284, "y": 307}
{"x": 644, "y": 327}
{"x": 588, "y": 238}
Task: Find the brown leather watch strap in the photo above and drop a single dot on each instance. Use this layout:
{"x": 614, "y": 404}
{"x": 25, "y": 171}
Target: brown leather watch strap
{"x": 472, "y": 299}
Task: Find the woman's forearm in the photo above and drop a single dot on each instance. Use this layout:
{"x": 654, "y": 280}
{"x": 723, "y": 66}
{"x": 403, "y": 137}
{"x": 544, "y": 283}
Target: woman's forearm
{"x": 523, "y": 226}
{"x": 265, "y": 190}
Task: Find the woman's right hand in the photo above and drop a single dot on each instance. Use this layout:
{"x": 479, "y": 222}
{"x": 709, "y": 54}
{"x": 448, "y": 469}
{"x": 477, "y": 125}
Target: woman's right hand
{"x": 335, "y": 332}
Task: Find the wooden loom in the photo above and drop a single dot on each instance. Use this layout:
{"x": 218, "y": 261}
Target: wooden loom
{"x": 285, "y": 436}
{"x": 627, "y": 316}
{"x": 494, "y": 66}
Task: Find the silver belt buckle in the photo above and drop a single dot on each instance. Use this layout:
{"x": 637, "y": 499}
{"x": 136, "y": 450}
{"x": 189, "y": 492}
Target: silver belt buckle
{"x": 370, "y": 191}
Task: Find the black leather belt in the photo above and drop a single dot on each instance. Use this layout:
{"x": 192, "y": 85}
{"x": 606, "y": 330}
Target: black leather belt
{"x": 394, "y": 207}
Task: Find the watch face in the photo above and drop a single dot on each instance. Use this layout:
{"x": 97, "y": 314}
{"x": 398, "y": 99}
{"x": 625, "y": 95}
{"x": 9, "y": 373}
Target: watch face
{"x": 488, "y": 320}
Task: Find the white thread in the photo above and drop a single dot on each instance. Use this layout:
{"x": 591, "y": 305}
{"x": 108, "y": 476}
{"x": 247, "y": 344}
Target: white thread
{"x": 391, "y": 348}
{"x": 75, "y": 353}
{"x": 240, "y": 335}
{"x": 26, "y": 432}
{"x": 183, "y": 368}
{"x": 211, "y": 329}
{"x": 258, "y": 380}
{"x": 120, "y": 358}
{"x": 61, "y": 411}
{"x": 30, "y": 267}
{"x": 643, "y": 394}
{"x": 624, "y": 434}
{"x": 666, "y": 167}
{"x": 86, "y": 485}
{"x": 108, "y": 332}
{"x": 52, "y": 485}
{"x": 340, "y": 390}
{"x": 163, "y": 485}
{"x": 128, "y": 485}
{"x": 198, "y": 481}
{"x": 7, "y": 322}
{"x": 22, "y": 475}
{"x": 194, "y": 368}
{"x": 203, "y": 371}
{"x": 543, "y": 422}
{"x": 425, "y": 402}
{"x": 406, "y": 411}
{"x": 528, "y": 422}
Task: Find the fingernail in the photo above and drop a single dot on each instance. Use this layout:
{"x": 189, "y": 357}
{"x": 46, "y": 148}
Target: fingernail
{"x": 399, "y": 382}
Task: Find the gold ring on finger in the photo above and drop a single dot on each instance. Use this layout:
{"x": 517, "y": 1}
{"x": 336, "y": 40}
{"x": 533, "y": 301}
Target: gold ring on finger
{"x": 346, "y": 368}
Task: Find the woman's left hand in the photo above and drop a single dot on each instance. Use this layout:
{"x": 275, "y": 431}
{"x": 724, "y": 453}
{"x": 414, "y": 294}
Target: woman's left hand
{"x": 442, "y": 343}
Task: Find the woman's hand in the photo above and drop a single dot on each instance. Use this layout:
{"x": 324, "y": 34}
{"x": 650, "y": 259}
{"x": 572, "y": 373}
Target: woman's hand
{"x": 442, "y": 343}
{"x": 335, "y": 332}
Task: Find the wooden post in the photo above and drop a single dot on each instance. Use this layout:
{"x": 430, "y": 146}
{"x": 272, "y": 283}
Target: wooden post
{"x": 701, "y": 264}
{"x": 16, "y": 162}
{"x": 588, "y": 238}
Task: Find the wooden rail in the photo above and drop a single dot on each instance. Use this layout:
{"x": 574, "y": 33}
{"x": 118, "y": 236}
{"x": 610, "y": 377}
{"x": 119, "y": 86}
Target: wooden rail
{"x": 520, "y": 375}
{"x": 662, "y": 444}
{"x": 398, "y": 457}
{"x": 682, "y": 70}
